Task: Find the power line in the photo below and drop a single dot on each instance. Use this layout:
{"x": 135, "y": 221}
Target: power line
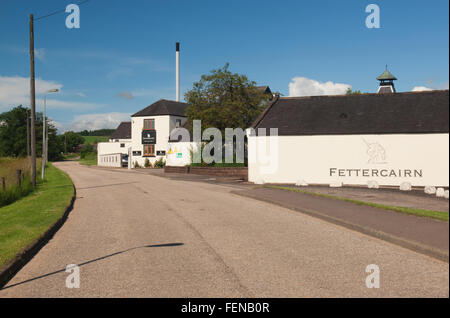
{"x": 59, "y": 11}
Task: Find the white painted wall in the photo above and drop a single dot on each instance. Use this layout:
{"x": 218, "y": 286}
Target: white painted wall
{"x": 104, "y": 148}
{"x": 163, "y": 126}
{"x": 310, "y": 158}
{"x": 110, "y": 160}
{"x": 179, "y": 153}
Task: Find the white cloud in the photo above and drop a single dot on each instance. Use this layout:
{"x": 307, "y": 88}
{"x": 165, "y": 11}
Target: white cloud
{"x": 95, "y": 121}
{"x": 430, "y": 86}
{"x": 302, "y": 86}
{"x": 15, "y": 90}
{"x": 39, "y": 54}
{"x": 421, "y": 89}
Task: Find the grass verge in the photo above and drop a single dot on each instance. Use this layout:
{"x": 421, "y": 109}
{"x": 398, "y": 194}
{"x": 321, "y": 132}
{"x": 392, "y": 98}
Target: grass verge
{"x": 25, "y": 220}
{"x": 438, "y": 215}
{"x": 89, "y": 159}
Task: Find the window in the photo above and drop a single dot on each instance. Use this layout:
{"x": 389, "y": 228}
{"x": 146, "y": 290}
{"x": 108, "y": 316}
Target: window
{"x": 178, "y": 123}
{"x": 149, "y": 150}
{"x": 149, "y": 124}
{"x": 122, "y": 145}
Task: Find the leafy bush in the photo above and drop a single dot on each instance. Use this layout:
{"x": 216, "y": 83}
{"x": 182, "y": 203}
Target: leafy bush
{"x": 87, "y": 149}
{"x": 137, "y": 165}
{"x": 198, "y": 152}
{"x": 147, "y": 163}
{"x": 160, "y": 163}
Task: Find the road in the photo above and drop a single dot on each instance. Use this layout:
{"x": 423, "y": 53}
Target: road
{"x": 139, "y": 235}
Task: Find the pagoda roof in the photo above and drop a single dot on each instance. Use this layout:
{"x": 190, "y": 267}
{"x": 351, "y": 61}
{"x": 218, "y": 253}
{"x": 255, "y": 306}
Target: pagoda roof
{"x": 386, "y": 76}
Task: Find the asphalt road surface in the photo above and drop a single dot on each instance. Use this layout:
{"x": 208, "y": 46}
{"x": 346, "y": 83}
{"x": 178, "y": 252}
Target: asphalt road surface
{"x": 138, "y": 235}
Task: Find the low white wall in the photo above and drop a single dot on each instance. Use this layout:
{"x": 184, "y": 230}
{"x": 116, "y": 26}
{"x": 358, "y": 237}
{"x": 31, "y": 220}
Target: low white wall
{"x": 110, "y": 160}
{"x": 421, "y": 159}
{"x": 179, "y": 153}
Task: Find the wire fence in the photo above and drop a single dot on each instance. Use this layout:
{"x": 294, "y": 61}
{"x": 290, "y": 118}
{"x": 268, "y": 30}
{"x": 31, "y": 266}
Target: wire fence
{"x": 15, "y": 179}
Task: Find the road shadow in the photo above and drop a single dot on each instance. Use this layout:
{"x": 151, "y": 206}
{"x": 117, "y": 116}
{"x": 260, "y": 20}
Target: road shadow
{"x": 92, "y": 261}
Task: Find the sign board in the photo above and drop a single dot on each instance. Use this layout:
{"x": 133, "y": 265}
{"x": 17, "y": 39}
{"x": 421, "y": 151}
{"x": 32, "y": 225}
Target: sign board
{"x": 160, "y": 152}
{"x": 137, "y": 153}
{"x": 149, "y": 137}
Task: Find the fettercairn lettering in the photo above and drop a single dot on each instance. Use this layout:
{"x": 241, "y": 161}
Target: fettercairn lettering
{"x": 371, "y": 173}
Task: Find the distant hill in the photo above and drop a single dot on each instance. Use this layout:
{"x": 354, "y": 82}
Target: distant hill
{"x": 98, "y": 132}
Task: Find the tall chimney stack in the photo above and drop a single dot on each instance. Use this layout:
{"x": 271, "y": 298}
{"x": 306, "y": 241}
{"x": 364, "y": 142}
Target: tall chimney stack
{"x": 178, "y": 71}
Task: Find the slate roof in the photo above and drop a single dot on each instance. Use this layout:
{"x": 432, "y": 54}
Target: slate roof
{"x": 264, "y": 89}
{"x": 123, "y": 131}
{"x": 163, "y": 107}
{"x": 411, "y": 112}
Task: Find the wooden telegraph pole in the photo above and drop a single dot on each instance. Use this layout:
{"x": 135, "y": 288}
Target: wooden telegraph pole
{"x": 33, "y": 105}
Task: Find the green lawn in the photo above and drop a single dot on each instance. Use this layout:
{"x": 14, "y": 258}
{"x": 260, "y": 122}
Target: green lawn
{"x": 90, "y": 159}
{"x": 443, "y": 216}
{"x": 95, "y": 139}
{"x": 25, "y": 220}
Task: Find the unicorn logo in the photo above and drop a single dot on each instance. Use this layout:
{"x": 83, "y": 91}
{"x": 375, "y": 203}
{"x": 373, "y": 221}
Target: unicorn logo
{"x": 376, "y": 152}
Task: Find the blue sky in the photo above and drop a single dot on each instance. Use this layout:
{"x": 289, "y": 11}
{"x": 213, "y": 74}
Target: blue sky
{"x": 122, "y": 58}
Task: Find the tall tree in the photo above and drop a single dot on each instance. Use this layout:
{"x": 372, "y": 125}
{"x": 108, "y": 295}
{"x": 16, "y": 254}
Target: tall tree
{"x": 222, "y": 99}
{"x": 72, "y": 140}
{"x": 13, "y": 135}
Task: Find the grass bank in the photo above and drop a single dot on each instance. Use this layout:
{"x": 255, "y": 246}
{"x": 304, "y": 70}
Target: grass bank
{"x": 88, "y": 159}
{"x": 25, "y": 220}
{"x": 442, "y": 216}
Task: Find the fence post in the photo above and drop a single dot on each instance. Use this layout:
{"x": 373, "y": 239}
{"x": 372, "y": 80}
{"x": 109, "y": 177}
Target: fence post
{"x": 19, "y": 177}
{"x": 3, "y": 184}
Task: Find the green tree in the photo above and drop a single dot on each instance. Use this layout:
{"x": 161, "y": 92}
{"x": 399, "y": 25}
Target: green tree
{"x": 222, "y": 99}
{"x": 72, "y": 140}
{"x": 350, "y": 92}
{"x": 13, "y": 132}
{"x": 13, "y": 135}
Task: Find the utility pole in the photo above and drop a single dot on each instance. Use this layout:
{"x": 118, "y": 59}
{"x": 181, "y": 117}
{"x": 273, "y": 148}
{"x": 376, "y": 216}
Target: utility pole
{"x": 46, "y": 143}
{"x": 45, "y": 133}
{"x": 28, "y": 133}
{"x": 33, "y": 105}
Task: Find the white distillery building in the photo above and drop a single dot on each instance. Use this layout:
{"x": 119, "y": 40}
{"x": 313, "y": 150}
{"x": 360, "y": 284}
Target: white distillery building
{"x": 382, "y": 139}
{"x": 151, "y": 127}
{"x": 146, "y": 136}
